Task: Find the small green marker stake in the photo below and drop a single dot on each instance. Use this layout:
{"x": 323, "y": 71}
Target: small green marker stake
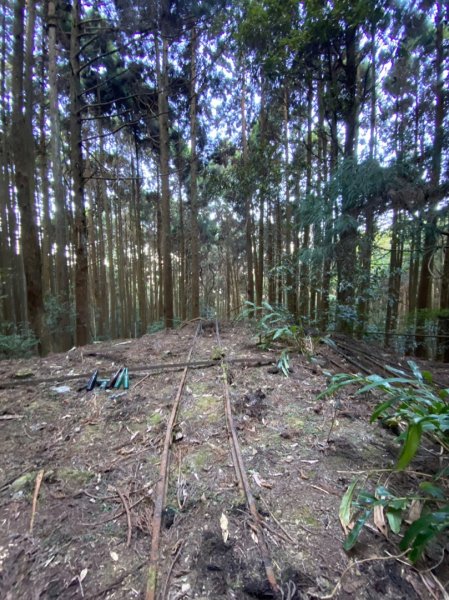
{"x": 126, "y": 379}
{"x": 119, "y": 379}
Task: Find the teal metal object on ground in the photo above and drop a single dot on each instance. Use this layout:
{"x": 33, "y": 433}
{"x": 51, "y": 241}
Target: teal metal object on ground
{"x": 119, "y": 379}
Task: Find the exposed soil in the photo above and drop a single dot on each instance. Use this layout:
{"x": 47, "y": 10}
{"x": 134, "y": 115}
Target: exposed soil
{"x": 100, "y": 451}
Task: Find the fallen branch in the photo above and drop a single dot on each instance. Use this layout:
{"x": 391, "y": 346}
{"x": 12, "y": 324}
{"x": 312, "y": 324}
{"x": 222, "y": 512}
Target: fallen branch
{"x": 160, "y": 368}
{"x": 128, "y": 516}
{"x": 37, "y": 487}
{"x": 170, "y": 570}
{"x": 9, "y": 417}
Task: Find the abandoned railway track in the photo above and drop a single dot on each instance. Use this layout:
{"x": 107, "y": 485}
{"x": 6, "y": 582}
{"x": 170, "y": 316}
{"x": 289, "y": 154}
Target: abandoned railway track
{"x": 256, "y": 523}
{"x": 84, "y": 471}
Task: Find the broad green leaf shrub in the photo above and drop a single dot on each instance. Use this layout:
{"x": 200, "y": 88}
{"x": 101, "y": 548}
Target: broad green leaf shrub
{"x": 276, "y": 325}
{"x": 412, "y": 401}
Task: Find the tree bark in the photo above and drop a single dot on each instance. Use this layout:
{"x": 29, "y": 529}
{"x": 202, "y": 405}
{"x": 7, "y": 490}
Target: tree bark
{"x": 24, "y": 162}
{"x": 347, "y": 244}
{"x": 194, "y": 241}
{"x": 77, "y": 167}
{"x": 62, "y": 286}
{"x": 141, "y": 280}
{"x": 247, "y": 198}
{"x": 162, "y": 76}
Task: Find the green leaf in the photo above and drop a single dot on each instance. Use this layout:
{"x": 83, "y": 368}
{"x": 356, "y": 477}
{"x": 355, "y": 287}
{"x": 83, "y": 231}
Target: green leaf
{"x": 394, "y": 518}
{"x": 277, "y": 334}
{"x": 415, "y": 370}
{"x": 353, "y": 536}
{"x": 423, "y": 530}
{"x": 410, "y": 447}
{"x": 380, "y": 409}
{"x": 427, "y": 376}
{"x": 393, "y": 370}
{"x": 345, "y": 505}
{"x": 432, "y": 490}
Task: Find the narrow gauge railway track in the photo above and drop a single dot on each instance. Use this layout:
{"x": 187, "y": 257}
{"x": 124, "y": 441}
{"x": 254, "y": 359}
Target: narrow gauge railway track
{"x": 369, "y": 363}
{"x": 256, "y": 522}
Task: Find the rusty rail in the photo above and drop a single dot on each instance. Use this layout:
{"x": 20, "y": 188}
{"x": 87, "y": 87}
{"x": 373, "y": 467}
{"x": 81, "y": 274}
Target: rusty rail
{"x": 161, "y": 487}
{"x": 237, "y": 459}
{"x": 242, "y": 478}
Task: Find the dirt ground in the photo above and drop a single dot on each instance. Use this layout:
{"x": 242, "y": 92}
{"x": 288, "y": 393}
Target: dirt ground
{"x": 98, "y": 454}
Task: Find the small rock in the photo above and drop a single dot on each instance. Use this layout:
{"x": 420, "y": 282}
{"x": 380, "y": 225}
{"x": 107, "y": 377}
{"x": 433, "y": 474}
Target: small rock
{"x": 61, "y": 389}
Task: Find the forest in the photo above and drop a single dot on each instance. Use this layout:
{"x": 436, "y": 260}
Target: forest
{"x": 224, "y": 299}
{"x": 166, "y": 160}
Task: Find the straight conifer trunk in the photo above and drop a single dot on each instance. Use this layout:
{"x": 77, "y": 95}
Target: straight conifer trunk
{"x": 77, "y": 165}
{"x": 24, "y": 163}
{"x": 162, "y": 72}
{"x": 194, "y": 242}
{"x": 62, "y": 288}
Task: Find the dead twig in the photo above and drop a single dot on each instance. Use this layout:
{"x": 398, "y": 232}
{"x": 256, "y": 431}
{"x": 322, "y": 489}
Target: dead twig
{"x": 117, "y": 582}
{"x": 180, "y": 487}
{"x": 356, "y": 564}
{"x": 277, "y": 522}
{"x": 10, "y": 417}
{"x": 115, "y": 516}
{"x": 128, "y": 516}
{"x": 170, "y": 570}
{"x": 140, "y": 381}
{"x": 37, "y": 487}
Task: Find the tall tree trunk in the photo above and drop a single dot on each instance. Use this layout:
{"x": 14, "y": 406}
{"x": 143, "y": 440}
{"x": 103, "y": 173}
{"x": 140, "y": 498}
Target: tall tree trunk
{"x": 413, "y": 270}
{"x": 162, "y": 77}
{"x": 394, "y": 281}
{"x": 270, "y": 255}
{"x": 290, "y": 225}
{"x": 347, "y": 243}
{"x": 443, "y": 320}
{"x": 366, "y": 250}
{"x": 141, "y": 282}
{"x": 182, "y": 253}
{"x": 424, "y": 300}
{"x": 247, "y": 198}
{"x": 47, "y": 230}
{"x": 261, "y": 228}
{"x": 77, "y": 166}
{"x": 8, "y": 300}
{"x": 194, "y": 241}
{"x": 62, "y": 287}
{"x": 304, "y": 296}
{"x": 373, "y": 106}
{"x": 24, "y": 162}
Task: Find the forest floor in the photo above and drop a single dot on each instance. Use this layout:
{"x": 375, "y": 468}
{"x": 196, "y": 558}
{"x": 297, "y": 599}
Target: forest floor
{"x": 98, "y": 455}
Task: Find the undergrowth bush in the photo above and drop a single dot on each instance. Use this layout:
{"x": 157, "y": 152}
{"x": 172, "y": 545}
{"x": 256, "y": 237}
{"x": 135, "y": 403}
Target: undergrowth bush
{"x": 277, "y": 325}
{"x": 17, "y": 345}
{"x": 414, "y": 404}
